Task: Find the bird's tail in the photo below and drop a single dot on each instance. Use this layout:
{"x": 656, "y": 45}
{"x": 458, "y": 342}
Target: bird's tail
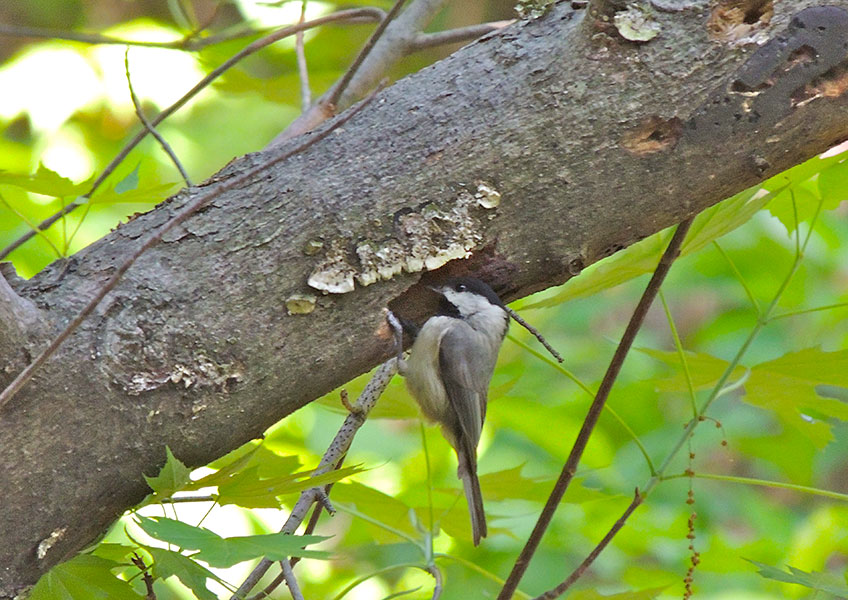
{"x": 468, "y": 474}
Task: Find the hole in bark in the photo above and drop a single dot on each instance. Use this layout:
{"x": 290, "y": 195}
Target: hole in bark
{"x": 654, "y": 134}
{"x": 832, "y": 84}
{"x": 731, "y": 20}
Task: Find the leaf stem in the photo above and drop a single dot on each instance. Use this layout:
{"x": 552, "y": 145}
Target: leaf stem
{"x": 682, "y": 355}
{"x": 591, "y": 394}
{"x": 763, "y": 483}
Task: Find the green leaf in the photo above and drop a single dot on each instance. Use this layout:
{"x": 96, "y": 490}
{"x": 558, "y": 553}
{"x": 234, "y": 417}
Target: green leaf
{"x": 705, "y": 370}
{"x": 395, "y": 402}
{"x": 148, "y": 195}
{"x": 249, "y": 490}
{"x": 114, "y": 552}
{"x": 225, "y": 552}
{"x": 803, "y": 172}
{"x": 84, "y": 577}
{"x": 806, "y": 205}
{"x": 833, "y": 185}
{"x": 381, "y": 507}
{"x": 167, "y": 563}
{"x": 177, "y": 533}
{"x": 274, "y": 546}
{"x": 44, "y": 181}
{"x": 510, "y": 484}
{"x": 130, "y": 182}
{"x": 788, "y": 387}
{"x": 821, "y": 582}
{"x": 264, "y": 462}
{"x": 642, "y": 257}
{"x": 171, "y": 478}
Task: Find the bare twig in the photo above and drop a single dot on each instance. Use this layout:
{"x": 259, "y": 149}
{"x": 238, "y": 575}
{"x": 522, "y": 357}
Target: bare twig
{"x": 455, "y": 36}
{"x": 85, "y": 38}
{"x": 437, "y": 576}
{"x": 184, "y": 213}
{"x": 587, "y": 562}
{"x": 361, "y": 78}
{"x": 336, "y": 450}
{"x": 342, "y": 15}
{"x": 147, "y": 125}
{"x": 339, "y": 88}
{"x": 570, "y": 467}
{"x": 302, "y": 69}
{"x": 520, "y": 320}
{"x": 145, "y": 576}
{"x": 291, "y": 580}
{"x": 190, "y": 43}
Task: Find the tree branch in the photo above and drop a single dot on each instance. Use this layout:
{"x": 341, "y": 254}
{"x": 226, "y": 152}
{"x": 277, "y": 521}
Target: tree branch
{"x": 201, "y": 85}
{"x": 528, "y": 113}
{"x": 587, "y": 562}
{"x": 184, "y": 213}
{"x": 149, "y": 126}
{"x": 454, "y": 36}
{"x": 390, "y": 43}
{"x": 597, "y": 406}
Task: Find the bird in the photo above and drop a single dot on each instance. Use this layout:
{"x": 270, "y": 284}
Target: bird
{"x": 448, "y": 371}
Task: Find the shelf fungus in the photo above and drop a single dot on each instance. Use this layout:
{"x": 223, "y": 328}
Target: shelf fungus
{"x": 422, "y": 239}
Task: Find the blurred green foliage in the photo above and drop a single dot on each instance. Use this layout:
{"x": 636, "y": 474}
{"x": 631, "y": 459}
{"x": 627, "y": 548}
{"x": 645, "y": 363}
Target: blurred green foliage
{"x": 768, "y": 461}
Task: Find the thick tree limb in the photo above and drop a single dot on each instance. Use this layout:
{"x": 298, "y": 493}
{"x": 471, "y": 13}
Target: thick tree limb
{"x": 590, "y": 141}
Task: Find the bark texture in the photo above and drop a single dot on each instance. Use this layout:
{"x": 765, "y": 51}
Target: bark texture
{"x": 589, "y": 141}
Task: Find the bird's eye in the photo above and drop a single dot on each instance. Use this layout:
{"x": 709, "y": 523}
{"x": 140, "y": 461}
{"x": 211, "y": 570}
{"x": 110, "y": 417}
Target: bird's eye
{"x": 461, "y": 287}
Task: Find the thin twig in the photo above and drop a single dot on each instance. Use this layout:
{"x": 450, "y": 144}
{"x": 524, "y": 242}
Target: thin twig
{"x": 437, "y": 576}
{"x": 291, "y": 580}
{"x": 587, "y": 562}
{"x": 455, "y": 36}
{"x": 190, "y": 43}
{"x": 391, "y": 47}
{"x": 518, "y": 318}
{"x": 181, "y": 215}
{"x": 342, "y": 15}
{"x": 570, "y": 467}
{"x": 145, "y": 576}
{"x": 336, "y": 450}
{"x": 338, "y": 89}
{"x": 302, "y": 69}
{"x": 149, "y": 126}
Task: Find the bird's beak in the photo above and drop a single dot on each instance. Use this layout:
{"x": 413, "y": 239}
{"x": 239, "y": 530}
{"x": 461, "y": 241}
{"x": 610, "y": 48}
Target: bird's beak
{"x": 438, "y": 290}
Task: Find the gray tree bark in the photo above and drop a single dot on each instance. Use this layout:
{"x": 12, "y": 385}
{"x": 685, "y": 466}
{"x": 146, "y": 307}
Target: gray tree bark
{"x": 588, "y": 140}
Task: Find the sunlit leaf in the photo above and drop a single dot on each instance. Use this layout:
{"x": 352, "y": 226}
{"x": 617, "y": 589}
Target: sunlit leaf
{"x": 833, "y": 185}
{"x": 394, "y": 403}
{"x": 511, "y": 484}
{"x": 788, "y": 387}
{"x": 381, "y": 507}
{"x": 114, "y": 552}
{"x": 46, "y": 182}
{"x": 167, "y": 563}
{"x": 704, "y": 369}
{"x": 84, "y": 577}
{"x": 821, "y": 582}
{"x": 151, "y": 194}
{"x": 249, "y": 490}
{"x": 642, "y": 257}
{"x": 217, "y": 551}
{"x": 267, "y": 464}
{"x": 171, "y": 478}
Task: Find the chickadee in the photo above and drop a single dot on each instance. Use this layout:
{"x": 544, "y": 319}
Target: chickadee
{"x": 449, "y": 369}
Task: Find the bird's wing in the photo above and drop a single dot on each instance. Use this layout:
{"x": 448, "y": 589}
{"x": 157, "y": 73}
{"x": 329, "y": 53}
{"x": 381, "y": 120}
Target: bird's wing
{"x": 459, "y": 362}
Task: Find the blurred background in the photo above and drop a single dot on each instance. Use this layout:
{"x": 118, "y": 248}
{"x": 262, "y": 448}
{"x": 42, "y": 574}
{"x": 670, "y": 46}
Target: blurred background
{"x": 65, "y": 112}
